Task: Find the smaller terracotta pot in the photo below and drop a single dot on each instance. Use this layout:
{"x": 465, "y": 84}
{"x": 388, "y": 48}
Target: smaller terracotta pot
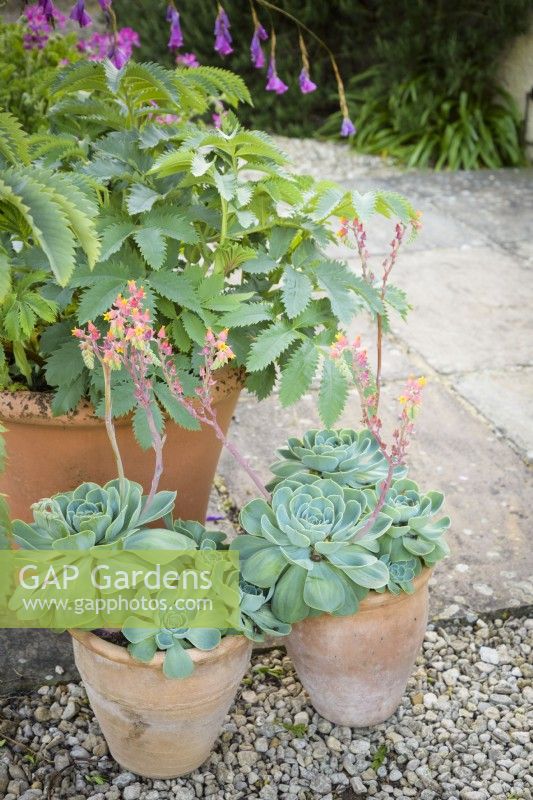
{"x": 355, "y": 669}
{"x": 154, "y": 726}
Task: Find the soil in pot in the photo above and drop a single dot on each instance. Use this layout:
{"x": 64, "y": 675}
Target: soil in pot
{"x": 48, "y": 454}
{"x": 355, "y": 669}
{"x": 154, "y": 726}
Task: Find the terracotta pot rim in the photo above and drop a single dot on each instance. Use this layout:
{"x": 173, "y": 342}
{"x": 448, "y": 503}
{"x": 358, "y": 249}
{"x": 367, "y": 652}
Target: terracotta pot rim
{"x": 386, "y": 598}
{"x": 120, "y": 655}
{"x": 29, "y": 407}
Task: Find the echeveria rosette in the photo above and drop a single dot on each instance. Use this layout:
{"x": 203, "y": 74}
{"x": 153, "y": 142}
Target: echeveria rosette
{"x": 90, "y": 515}
{"x": 351, "y": 458}
{"x": 301, "y": 546}
{"x": 257, "y": 617}
{"x": 401, "y": 575}
{"x": 173, "y": 641}
{"x": 203, "y": 538}
{"x": 414, "y": 532}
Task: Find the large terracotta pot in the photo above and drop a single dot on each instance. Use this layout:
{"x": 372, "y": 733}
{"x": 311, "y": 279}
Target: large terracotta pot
{"x": 355, "y": 669}
{"x": 48, "y": 454}
{"x": 155, "y": 726}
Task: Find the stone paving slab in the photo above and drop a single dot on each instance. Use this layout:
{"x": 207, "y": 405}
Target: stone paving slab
{"x": 494, "y": 395}
{"x": 469, "y": 309}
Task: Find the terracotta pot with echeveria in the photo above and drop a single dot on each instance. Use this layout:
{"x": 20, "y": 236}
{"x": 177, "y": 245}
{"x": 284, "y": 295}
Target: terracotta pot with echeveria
{"x": 160, "y": 694}
{"x": 346, "y": 543}
{"x": 214, "y": 223}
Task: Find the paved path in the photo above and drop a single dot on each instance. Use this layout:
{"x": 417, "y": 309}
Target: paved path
{"x": 469, "y": 276}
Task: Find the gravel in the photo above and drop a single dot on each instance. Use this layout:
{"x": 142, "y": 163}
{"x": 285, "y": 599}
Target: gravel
{"x": 462, "y": 732}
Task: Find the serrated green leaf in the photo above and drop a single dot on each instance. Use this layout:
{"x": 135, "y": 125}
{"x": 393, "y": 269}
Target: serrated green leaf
{"x": 68, "y": 396}
{"x": 199, "y": 165}
{"x": 175, "y": 409}
{"x": 194, "y": 326}
{"x": 247, "y": 314}
{"x": 270, "y": 344}
{"x": 5, "y": 276}
{"x": 364, "y": 205}
{"x": 46, "y": 219}
{"x": 260, "y": 265}
{"x": 141, "y": 198}
{"x": 397, "y": 299}
{"x": 226, "y": 184}
{"x": 152, "y": 245}
{"x": 328, "y": 202}
{"x": 332, "y": 394}
{"x": 297, "y": 376}
{"x": 65, "y": 365}
{"x": 114, "y": 236}
{"x": 296, "y": 291}
{"x": 141, "y": 428}
{"x": 335, "y": 279}
{"x": 279, "y": 241}
{"x": 99, "y": 298}
{"x": 177, "y": 287}
{"x": 172, "y": 222}
{"x": 262, "y": 382}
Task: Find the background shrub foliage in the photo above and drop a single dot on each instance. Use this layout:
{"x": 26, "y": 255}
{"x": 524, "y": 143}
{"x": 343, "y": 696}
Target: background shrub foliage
{"x": 25, "y": 74}
{"x": 423, "y": 77}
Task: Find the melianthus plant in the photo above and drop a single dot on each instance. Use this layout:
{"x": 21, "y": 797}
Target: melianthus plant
{"x": 217, "y": 228}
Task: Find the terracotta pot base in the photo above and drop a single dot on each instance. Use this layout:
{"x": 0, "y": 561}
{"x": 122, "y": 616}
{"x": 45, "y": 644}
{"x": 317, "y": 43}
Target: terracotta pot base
{"x": 154, "y": 726}
{"x": 355, "y": 669}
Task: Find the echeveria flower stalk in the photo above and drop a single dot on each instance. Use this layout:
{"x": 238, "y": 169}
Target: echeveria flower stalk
{"x": 80, "y": 15}
{"x": 223, "y": 38}
{"x": 274, "y": 82}
{"x": 176, "y": 36}
{"x": 260, "y": 35}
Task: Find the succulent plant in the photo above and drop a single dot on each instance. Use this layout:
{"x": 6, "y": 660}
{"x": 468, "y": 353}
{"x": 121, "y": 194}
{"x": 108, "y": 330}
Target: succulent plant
{"x": 401, "y": 574}
{"x": 90, "y": 515}
{"x": 301, "y": 546}
{"x": 257, "y": 617}
{"x": 174, "y": 641}
{"x": 351, "y": 458}
{"x": 203, "y": 538}
{"x": 414, "y": 532}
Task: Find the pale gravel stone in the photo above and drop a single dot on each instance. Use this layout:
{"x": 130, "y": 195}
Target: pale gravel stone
{"x": 466, "y": 737}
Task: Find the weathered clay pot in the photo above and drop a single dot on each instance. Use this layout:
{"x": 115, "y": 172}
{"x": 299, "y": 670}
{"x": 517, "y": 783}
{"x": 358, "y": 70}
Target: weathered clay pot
{"x": 48, "y": 454}
{"x": 355, "y": 669}
{"x": 155, "y": 726}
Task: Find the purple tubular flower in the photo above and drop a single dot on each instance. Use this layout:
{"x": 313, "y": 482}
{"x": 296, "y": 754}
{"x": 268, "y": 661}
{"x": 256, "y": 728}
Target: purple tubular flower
{"x": 176, "y": 36}
{"x": 105, "y": 5}
{"x": 117, "y": 56}
{"x": 347, "y": 127}
{"x": 222, "y": 35}
{"x": 79, "y": 15}
{"x": 48, "y": 9}
{"x": 274, "y": 82}
{"x": 256, "y": 51}
{"x": 306, "y": 84}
